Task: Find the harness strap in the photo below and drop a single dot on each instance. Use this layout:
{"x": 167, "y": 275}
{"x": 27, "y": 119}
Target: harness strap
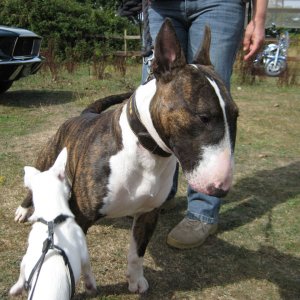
{"x": 49, "y": 244}
{"x": 140, "y": 130}
{"x": 46, "y": 246}
{"x": 59, "y": 219}
{"x": 68, "y": 265}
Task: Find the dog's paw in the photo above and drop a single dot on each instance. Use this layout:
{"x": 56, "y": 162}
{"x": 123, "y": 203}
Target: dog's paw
{"x": 92, "y": 291}
{"x": 139, "y": 286}
{"x": 16, "y": 290}
{"x": 91, "y": 287}
{"x": 21, "y": 214}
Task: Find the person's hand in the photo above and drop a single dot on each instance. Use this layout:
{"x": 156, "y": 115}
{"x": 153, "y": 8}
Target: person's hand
{"x": 253, "y": 39}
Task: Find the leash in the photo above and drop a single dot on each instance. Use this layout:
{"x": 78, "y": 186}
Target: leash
{"x": 144, "y": 137}
{"x": 47, "y": 245}
{"x": 148, "y": 49}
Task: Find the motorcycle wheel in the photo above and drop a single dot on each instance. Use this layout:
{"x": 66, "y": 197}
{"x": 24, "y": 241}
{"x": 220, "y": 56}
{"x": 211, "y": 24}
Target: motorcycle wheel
{"x": 275, "y": 70}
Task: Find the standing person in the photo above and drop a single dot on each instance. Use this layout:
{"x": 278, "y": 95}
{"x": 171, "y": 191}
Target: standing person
{"x": 226, "y": 21}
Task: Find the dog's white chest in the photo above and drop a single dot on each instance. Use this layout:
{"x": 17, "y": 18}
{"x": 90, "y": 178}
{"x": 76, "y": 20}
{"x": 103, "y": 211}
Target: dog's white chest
{"x": 139, "y": 181}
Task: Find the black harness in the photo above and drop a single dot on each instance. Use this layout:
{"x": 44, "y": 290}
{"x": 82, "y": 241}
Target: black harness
{"x": 49, "y": 244}
{"x": 140, "y": 130}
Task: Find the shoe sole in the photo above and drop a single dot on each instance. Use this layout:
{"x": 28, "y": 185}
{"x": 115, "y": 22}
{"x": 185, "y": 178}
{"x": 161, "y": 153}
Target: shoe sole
{"x": 175, "y": 244}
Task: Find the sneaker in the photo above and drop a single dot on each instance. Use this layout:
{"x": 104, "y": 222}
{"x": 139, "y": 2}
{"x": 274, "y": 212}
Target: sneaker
{"x": 190, "y": 233}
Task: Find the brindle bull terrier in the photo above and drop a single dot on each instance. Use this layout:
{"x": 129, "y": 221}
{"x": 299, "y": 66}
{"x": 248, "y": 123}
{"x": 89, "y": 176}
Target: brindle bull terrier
{"x": 122, "y": 160}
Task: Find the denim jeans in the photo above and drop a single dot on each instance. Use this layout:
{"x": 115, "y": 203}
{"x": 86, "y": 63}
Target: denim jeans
{"x": 189, "y": 17}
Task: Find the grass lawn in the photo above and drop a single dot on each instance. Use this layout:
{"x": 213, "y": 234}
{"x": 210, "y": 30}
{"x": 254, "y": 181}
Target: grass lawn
{"x": 256, "y": 252}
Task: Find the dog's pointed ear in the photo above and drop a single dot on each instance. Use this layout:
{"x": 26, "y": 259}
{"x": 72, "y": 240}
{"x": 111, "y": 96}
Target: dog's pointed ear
{"x": 202, "y": 57}
{"x": 60, "y": 164}
{"x": 29, "y": 173}
{"x": 168, "y": 54}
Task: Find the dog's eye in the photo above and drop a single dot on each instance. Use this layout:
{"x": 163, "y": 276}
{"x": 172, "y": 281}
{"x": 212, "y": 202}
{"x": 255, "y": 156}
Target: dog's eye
{"x": 205, "y": 119}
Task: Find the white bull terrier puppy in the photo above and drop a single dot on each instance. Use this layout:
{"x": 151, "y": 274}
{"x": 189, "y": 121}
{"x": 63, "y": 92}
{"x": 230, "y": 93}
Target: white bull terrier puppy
{"x": 57, "y": 247}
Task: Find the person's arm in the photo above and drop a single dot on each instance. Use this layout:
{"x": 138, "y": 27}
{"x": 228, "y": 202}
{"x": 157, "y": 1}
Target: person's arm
{"x": 255, "y": 31}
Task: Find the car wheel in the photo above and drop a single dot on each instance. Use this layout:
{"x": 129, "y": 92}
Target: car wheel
{"x": 5, "y": 85}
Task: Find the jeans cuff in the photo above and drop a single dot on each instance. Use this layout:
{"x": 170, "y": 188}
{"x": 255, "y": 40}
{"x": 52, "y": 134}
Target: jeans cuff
{"x": 202, "y": 218}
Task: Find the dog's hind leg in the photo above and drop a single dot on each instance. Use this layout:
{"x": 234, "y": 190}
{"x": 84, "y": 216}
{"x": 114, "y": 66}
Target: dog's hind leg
{"x": 18, "y": 287}
{"x": 142, "y": 230}
{"x": 88, "y": 276}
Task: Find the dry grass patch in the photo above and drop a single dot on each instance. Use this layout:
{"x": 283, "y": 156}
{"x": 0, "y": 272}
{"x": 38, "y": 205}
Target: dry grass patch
{"x": 254, "y": 255}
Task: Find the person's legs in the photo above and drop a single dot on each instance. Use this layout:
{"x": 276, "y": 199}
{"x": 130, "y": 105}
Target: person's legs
{"x": 175, "y": 184}
{"x": 202, "y": 207}
{"x": 189, "y": 18}
{"x": 226, "y": 20}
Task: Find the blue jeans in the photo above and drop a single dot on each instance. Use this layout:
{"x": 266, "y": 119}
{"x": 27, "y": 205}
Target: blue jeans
{"x": 189, "y": 17}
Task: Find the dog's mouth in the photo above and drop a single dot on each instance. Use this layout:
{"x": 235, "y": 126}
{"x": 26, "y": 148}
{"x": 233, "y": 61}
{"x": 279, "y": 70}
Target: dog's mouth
{"x": 211, "y": 190}
{"x": 217, "y": 186}
{"x": 217, "y": 192}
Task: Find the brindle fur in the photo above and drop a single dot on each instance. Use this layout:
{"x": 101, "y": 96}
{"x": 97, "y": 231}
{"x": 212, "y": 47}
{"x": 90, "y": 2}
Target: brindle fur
{"x": 86, "y": 150}
{"x": 178, "y": 85}
{"x": 182, "y": 104}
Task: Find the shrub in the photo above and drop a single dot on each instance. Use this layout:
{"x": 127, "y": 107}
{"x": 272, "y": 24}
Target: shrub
{"x": 71, "y": 24}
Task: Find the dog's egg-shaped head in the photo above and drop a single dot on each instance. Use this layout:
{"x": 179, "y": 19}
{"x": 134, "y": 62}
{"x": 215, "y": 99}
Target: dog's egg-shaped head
{"x": 194, "y": 114}
{"x": 48, "y": 185}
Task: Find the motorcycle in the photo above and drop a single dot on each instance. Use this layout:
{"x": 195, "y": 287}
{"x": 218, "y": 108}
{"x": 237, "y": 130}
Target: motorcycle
{"x": 273, "y": 59}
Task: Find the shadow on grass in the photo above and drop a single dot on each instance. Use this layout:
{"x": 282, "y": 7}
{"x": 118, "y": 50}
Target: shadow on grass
{"x": 217, "y": 262}
{"x": 259, "y": 194}
{"x": 34, "y": 98}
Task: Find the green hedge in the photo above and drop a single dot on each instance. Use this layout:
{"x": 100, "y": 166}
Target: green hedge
{"x": 70, "y": 24}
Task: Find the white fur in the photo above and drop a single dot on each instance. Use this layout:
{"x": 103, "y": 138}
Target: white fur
{"x": 135, "y": 273}
{"x": 50, "y": 197}
{"x": 216, "y": 166}
{"x": 21, "y": 214}
{"x": 144, "y": 95}
{"x": 135, "y": 174}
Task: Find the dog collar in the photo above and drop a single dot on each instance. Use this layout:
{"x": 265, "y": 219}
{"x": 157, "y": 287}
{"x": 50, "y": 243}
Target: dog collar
{"x": 59, "y": 219}
{"x": 51, "y": 224}
{"x": 140, "y": 130}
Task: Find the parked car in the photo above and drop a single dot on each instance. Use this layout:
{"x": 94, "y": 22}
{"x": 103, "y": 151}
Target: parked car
{"x": 19, "y": 55}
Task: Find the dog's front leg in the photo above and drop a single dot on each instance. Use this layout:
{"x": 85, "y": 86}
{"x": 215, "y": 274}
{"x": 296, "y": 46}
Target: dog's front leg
{"x": 22, "y": 212}
{"x": 142, "y": 230}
